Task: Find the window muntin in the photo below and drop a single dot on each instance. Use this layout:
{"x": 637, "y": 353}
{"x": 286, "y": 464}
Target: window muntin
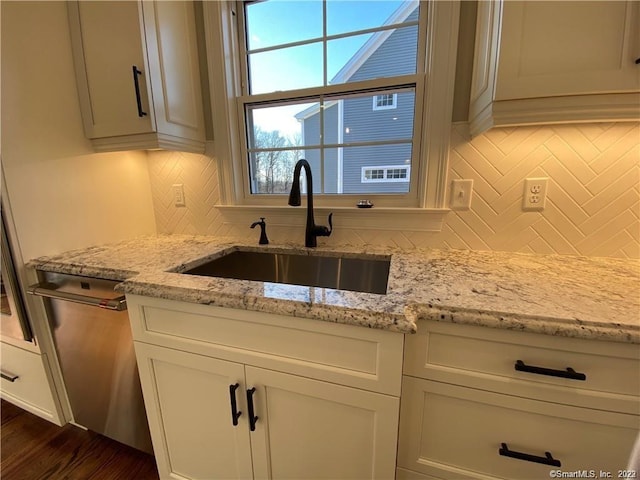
{"x": 334, "y": 136}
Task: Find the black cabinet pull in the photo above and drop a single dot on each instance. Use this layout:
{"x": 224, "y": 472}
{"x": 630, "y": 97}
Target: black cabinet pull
{"x": 568, "y": 373}
{"x": 136, "y": 83}
{"x": 252, "y": 418}
{"x": 546, "y": 460}
{"x": 235, "y": 414}
{"x": 637, "y": 61}
{"x": 9, "y": 376}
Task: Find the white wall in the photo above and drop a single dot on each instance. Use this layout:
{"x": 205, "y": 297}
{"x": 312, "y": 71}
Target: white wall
{"x": 62, "y": 195}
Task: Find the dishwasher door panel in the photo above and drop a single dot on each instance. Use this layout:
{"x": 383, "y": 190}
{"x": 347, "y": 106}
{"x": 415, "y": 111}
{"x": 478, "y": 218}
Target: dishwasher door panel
{"x": 98, "y": 363}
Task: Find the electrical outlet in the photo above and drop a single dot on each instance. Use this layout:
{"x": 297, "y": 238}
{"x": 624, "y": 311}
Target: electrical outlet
{"x": 535, "y": 194}
{"x": 178, "y": 194}
{"x": 461, "y": 191}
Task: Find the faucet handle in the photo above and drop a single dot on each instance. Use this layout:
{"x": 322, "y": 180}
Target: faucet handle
{"x": 263, "y": 231}
{"x": 322, "y": 231}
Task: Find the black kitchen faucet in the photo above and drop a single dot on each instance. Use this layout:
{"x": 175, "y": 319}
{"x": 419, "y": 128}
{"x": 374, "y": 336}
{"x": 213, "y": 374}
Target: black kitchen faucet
{"x": 312, "y": 231}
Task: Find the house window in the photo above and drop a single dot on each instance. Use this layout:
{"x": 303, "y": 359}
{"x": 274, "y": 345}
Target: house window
{"x": 310, "y": 74}
{"x": 293, "y": 80}
{"x": 396, "y": 173}
{"x": 385, "y": 102}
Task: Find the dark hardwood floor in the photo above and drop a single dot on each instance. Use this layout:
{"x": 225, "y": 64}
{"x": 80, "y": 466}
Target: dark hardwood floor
{"x": 33, "y": 449}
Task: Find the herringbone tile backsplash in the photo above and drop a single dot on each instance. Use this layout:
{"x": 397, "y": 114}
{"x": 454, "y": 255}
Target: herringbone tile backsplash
{"x": 593, "y": 204}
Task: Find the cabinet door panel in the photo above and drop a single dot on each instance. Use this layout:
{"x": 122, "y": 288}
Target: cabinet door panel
{"x": 107, "y": 43}
{"x": 188, "y": 405}
{"x": 173, "y": 64}
{"x": 568, "y": 48}
{"x": 312, "y": 429}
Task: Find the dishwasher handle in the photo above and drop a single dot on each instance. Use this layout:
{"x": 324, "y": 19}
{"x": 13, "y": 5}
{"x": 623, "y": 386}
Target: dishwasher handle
{"x": 117, "y": 304}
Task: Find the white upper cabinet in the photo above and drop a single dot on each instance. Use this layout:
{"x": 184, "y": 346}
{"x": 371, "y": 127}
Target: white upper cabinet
{"x": 555, "y": 62}
{"x": 138, "y": 74}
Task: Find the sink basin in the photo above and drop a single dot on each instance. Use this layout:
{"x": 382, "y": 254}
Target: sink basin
{"x": 359, "y": 274}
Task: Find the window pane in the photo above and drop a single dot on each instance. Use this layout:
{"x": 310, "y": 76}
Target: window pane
{"x": 274, "y": 23}
{"x": 359, "y": 122}
{"x": 383, "y": 54}
{"x": 276, "y": 126}
{"x": 350, "y": 16}
{"x": 286, "y": 69}
{"x": 375, "y": 162}
{"x": 272, "y": 172}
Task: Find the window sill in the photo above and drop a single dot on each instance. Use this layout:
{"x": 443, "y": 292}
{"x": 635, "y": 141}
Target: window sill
{"x": 376, "y": 218}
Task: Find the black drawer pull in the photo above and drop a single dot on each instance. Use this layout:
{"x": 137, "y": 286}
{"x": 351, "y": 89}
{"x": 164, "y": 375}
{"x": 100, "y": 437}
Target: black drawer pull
{"x": 637, "y": 61}
{"x": 136, "y": 84}
{"x": 252, "y": 418}
{"x": 568, "y": 373}
{"x": 546, "y": 460}
{"x": 235, "y": 414}
{"x": 9, "y": 376}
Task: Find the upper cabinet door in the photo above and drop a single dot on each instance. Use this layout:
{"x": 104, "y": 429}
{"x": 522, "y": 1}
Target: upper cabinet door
{"x": 108, "y": 44}
{"x": 138, "y": 74}
{"x": 170, "y": 30}
{"x": 539, "y": 62}
{"x": 568, "y": 48}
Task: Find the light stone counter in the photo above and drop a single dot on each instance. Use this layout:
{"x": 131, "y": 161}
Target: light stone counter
{"x": 597, "y": 298}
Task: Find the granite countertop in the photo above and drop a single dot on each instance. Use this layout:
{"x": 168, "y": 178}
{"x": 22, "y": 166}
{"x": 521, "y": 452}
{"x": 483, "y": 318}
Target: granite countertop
{"x": 584, "y": 297}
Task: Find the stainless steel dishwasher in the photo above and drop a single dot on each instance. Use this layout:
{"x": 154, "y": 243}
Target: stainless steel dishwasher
{"x": 93, "y": 340}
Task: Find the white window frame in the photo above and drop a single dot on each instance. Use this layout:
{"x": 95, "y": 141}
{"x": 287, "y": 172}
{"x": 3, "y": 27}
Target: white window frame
{"x": 385, "y": 169}
{"x": 432, "y": 131}
{"x": 394, "y": 102}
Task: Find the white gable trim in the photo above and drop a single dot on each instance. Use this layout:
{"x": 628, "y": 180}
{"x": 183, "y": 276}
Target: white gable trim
{"x": 313, "y": 109}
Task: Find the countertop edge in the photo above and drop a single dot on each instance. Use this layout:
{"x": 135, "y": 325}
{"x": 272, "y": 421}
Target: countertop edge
{"x": 571, "y": 328}
{"x": 397, "y": 323}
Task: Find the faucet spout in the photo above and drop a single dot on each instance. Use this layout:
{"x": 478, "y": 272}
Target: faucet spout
{"x": 312, "y": 231}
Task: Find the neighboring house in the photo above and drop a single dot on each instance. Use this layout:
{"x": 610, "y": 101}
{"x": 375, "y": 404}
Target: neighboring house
{"x": 367, "y": 169}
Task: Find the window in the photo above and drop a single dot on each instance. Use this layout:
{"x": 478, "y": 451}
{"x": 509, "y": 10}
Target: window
{"x": 282, "y": 92}
{"x": 396, "y": 173}
{"x": 311, "y": 68}
{"x": 384, "y": 102}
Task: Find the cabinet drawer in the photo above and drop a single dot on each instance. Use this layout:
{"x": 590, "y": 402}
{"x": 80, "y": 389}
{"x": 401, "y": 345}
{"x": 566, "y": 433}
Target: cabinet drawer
{"x": 30, "y": 389}
{"x": 485, "y": 358}
{"x": 453, "y": 432}
{"x": 344, "y": 354}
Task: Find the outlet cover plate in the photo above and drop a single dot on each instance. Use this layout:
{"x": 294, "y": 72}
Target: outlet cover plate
{"x": 178, "y": 194}
{"x": 535, "y": 194}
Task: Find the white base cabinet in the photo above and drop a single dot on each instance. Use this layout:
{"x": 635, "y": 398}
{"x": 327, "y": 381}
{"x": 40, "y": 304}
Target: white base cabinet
{"x": 482, "y": 403}
{"x": 302, "y": 425}
{"x": 25, "y": 382}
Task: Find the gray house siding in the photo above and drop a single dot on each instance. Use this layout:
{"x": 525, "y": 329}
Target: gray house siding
{"x": 391, "y": 56}
{"x": 366, "y": 124}
{"x": 311, "y": 136}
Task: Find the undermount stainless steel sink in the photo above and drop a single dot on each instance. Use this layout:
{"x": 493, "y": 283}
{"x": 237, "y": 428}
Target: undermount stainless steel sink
{"x": 360, "y": 274}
